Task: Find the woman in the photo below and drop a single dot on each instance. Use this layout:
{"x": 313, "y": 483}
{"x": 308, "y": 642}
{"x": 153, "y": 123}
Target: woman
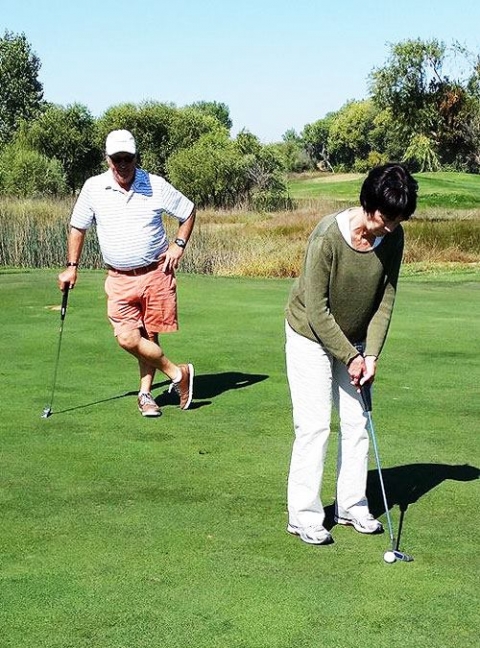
{"x": 337, "y": 319}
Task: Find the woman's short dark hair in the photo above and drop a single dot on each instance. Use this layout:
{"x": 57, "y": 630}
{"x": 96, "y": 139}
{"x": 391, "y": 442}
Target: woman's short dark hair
{"x": 391, "y": 189}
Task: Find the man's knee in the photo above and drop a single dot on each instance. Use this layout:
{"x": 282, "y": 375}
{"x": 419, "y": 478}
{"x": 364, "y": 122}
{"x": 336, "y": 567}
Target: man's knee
{"x": 129, "y": 340}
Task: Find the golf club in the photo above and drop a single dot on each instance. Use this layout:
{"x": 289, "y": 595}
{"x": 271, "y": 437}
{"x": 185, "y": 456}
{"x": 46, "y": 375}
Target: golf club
{"x": 63, "y": 309}
{"x": 394, "y": 554}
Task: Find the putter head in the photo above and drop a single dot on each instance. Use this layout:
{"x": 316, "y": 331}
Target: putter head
{"x": 399, "y": 555}
{"x": 46, "y": 412}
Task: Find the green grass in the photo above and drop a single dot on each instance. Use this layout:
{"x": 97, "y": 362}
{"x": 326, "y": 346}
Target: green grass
{"x": 120, "y": 532}
{"x": 443, "y": 189}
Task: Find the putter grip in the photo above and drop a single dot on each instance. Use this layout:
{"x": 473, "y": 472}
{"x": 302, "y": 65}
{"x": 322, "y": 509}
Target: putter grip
{"x": 366, "y": 394}
{"x": 63, "y": 308}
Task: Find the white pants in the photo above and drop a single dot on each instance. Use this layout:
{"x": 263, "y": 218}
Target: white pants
{"x": 315, "y": 378}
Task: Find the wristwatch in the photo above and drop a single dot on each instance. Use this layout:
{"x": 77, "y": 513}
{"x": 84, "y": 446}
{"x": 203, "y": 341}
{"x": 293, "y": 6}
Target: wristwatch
{"x": 181, "y": 242}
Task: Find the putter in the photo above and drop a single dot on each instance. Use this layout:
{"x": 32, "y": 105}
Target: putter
{"x": 394, "y": 554}
{"x": 63, "y": 309}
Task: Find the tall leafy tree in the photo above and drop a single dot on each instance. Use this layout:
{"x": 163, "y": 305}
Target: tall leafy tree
{"x": 408, "y": 82}
{"x": 315, "y": 139}
{"x": 21, "y": 93}
{"x": 216, "y": 109}
{"x": 349, "y": 138}
{"x": 159, "y": 128}
{"x": 432, "y": 109}
{"x": 67, "y": 134}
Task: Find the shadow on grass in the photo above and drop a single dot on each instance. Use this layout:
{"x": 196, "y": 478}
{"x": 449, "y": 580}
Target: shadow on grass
{"x": 204, "y": 387}
{"x": 405, "y": 485}
{"x": 208, "y": 386}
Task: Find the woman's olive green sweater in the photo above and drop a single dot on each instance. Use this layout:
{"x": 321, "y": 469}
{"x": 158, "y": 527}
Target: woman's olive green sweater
{"x": 344, "y": 296}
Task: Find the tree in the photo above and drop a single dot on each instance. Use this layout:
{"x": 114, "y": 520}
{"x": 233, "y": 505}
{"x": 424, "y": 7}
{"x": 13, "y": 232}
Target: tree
{"x": 432, "y": 110}
{"x": 349, "y": 137}
{"x": 219, "y": 172}
{"x": 408, "y": 83}
{"x": 291, "y": 151}
{"x": 160, "y": 129}
{"x": 29, "y": 174}
{"x": 216, "y": 109}
{"x": 21, "y": 93}
{"x": 67, "y": 134}
{"x": 212, "y": 172}
{"x": 315, "y": 139}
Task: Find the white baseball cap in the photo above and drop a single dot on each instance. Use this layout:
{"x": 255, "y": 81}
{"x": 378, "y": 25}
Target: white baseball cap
{"x": 120, "y": 141}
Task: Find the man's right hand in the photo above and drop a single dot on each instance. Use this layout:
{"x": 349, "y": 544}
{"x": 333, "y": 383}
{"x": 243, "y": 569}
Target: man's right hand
{"x": 67, "y": 278}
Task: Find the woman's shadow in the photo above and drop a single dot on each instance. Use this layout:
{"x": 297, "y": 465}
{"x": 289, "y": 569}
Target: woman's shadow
{"x": 405, "y": 485}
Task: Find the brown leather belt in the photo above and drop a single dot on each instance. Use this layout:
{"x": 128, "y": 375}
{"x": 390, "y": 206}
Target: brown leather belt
{"x": 136, "y": 271}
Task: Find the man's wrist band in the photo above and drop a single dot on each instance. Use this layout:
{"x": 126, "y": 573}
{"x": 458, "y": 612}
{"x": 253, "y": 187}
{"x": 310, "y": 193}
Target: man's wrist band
{"x": 73, "y": 264}
{"x": 181, "y": 242}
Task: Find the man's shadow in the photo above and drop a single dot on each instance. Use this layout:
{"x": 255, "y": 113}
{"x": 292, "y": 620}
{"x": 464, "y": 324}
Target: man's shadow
{"x": 405, "y": 485}
{"x": 204, "y": 388}
{"x": 208, "y": 386}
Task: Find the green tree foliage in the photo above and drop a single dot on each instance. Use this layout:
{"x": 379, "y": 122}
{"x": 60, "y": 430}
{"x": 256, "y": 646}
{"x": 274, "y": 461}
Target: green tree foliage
{"x": 160, "y": 129}
{"x": 431, "y": 109}
{"x": 28, "y": 174}
{"x": 421, "y": 155}
{"x": 349, "y": 138}
{"x": 385, "y": 137}
{"x": 21, "y": 93}
{"x": 212, "y": 172}
{"x": 216, "y": 109}
{"x": 219, "y": 172}
{"x": 68, "y": 135}
{"x": 292, "y": 153}
{"x": 315, "y": 139}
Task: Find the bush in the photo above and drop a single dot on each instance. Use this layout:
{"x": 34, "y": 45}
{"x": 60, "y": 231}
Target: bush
{"x": 28, "y": 174}
{"x": 218, "y": 172}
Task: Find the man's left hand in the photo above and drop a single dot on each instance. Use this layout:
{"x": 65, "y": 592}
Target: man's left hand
{"x": 172, "y": 257}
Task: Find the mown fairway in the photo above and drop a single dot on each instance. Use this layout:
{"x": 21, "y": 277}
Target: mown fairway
{"x": 120, "y": 532}
{"x": 445, "y": 190}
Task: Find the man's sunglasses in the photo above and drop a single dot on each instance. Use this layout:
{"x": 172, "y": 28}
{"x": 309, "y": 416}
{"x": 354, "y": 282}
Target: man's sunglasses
{"x": 118, "y": 159}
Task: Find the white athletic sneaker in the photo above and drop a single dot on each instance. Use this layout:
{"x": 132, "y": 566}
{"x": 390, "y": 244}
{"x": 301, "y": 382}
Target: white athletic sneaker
{"x": 316, "y": 534}
{"x": 147, "y": 405}
{"x": 365, "y": 524}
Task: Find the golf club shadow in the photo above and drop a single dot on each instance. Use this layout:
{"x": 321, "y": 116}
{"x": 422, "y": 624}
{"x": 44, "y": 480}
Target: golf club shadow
{"x": 205, "y": 387}
{"x": 405, "y": 485}
{"x": 92, "y": 403}
{"x": 208, "y": 386}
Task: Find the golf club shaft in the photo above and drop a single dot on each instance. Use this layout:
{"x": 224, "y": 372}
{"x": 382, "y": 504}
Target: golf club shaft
{"x": 380, "y": 476}
{"x": 63, "y": 310}
{"x": 366, "y": 395}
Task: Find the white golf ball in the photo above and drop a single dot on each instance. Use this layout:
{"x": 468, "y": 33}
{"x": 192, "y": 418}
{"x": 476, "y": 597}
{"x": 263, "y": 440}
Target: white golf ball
{"x": 389, "y": 557}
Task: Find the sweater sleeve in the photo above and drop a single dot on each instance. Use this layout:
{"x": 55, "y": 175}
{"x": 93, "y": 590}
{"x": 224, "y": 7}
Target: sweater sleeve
{"x": 318, "y": 269}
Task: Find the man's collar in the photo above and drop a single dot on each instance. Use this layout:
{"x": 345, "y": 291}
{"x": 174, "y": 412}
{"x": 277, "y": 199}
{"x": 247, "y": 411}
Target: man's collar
{"x": 141, "y": 182}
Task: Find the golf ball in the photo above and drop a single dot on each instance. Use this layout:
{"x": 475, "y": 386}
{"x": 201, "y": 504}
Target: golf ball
{"x": 389, "y": 557}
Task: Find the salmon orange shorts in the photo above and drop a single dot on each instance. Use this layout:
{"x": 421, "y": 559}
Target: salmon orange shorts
{"x": 146, "y": 301}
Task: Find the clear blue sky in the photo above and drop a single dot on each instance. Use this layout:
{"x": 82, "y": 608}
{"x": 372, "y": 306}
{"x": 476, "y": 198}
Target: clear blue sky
{"x": 277, "y": 64}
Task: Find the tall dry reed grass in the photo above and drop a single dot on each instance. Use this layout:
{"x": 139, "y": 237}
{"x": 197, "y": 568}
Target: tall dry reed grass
{"x": 241, "y": 243}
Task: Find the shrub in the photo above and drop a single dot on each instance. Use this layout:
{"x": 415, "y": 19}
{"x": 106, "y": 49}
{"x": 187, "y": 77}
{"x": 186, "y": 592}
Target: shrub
{"x": 27, "y": 173}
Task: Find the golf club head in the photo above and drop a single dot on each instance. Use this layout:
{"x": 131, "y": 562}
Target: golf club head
{"x": 399, "y": 555}
{"x": 366, "y": 394}
{"x": 46, "y": 412}
{"x": 394, "y": 555}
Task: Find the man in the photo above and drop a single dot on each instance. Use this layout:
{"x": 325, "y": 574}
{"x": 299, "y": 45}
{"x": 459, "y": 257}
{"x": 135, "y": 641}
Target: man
{"x": 337, "y": 319}
{"x": 127, "y": 204}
